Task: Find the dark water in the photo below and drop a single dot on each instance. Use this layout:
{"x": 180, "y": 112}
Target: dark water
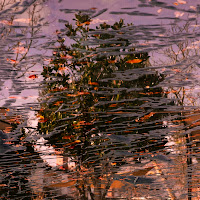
{"x": 99, "y": 99}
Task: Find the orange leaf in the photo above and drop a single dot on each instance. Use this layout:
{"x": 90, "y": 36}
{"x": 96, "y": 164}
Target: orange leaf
{"x": 43, "y": 120}
{"x": 83, "y": 123}
{"x": 113, "y": 105}
{"x": 116, "y": 184}
{"x": 66, "y": 137}
{"x": 89, "y": 56}
{"x": 93, "y": 8}
{"x": 62, "y": 68}
{"x": 93, "y": 83}
{"x": 145, "y": 117}
{"x": 72, "y": 143}
{"x": 6, "y": 22}
{"x": 58, "y": 103}
{"x": 83, "y": 93}
{"x": 8, "y": 142}
{"x": 33, "y": 76}
{"x": 75, "y": 102}
{"x": 95, "y": 35}
{"x": 127, "y": 131}
{"x": 12, "y": 60}
{"x": 12, "y": 97}
{"x": 67, "y": 57}
{"x": 3, "y": 185}
{"x": 87, "y": 23}
{"x": 8, "y": 129}
{"x": 108, "y": 122}
{"x": 134, "y": 61}
{"x": 72, "y": 95}
{"x": 111, "y": 61}
{"x": 113, "y": 163}
{"x": 78, "y": 24}
{"x": 77, "y": 141}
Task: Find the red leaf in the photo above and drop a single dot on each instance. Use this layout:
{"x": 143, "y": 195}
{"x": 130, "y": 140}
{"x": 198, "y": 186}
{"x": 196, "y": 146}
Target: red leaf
{"x": 12, "y": 61}
{"x": 33, "y": 76}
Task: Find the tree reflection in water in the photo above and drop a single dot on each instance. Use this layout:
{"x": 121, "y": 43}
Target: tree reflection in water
{"x": 186, "y": 138}
{"x": 101, "y": 109}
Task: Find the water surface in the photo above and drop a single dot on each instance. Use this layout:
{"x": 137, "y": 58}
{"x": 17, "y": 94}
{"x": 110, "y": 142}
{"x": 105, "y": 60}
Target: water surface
{"x": 99, "y": 100}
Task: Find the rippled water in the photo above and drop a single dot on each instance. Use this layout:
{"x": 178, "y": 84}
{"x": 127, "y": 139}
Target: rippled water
{"x": 99, "y": 99}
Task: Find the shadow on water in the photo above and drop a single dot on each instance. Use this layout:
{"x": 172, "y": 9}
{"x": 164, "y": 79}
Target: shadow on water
{"x": 114, "y": 117}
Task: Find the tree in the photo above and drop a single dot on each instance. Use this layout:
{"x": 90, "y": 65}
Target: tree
{"x": 97, "y": 104}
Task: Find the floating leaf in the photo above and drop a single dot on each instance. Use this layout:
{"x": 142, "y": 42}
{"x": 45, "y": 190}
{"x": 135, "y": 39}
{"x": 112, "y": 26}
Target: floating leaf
{"x": 178, "y": 14}
{"x": 67, "y": 137}
{"x": 67, "y": 57}
{"x": 117, "y": 184}
{"x": 93, "y": 8}
{"x": 6, "y": 22}
{"x": 193, "y": 7}
{"x": 17, "y": 97}
{"x": 181, "y": 2}
{"x": 176, "y": 3}
{"x": 145, "y": 117}
{"x": 77, "y": 141}
{"x": 113, "y": 105}
{"x": 93, "y": 83}
{"x": 108, "y": 122}
{"x": 72, "y": 95}
{"x": 8, "y": 129}
{"x": 134, "y": 61}
{"x": 91, "y": 55}
{"x": 72, "y": 143}
{"x": 83, "y": 93}
{"x": 83, "y": 123}
{"x": 33, "y": 76}
{"x": 23, "y": 20}
{"x": 58, "y": 103}
{"x": 85, "y": 23}
{"x": 12, "y": 60}
{"x": 3, "y": 185}
{"x": 113, "y": 163}
{"x": 111, "y": 61}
